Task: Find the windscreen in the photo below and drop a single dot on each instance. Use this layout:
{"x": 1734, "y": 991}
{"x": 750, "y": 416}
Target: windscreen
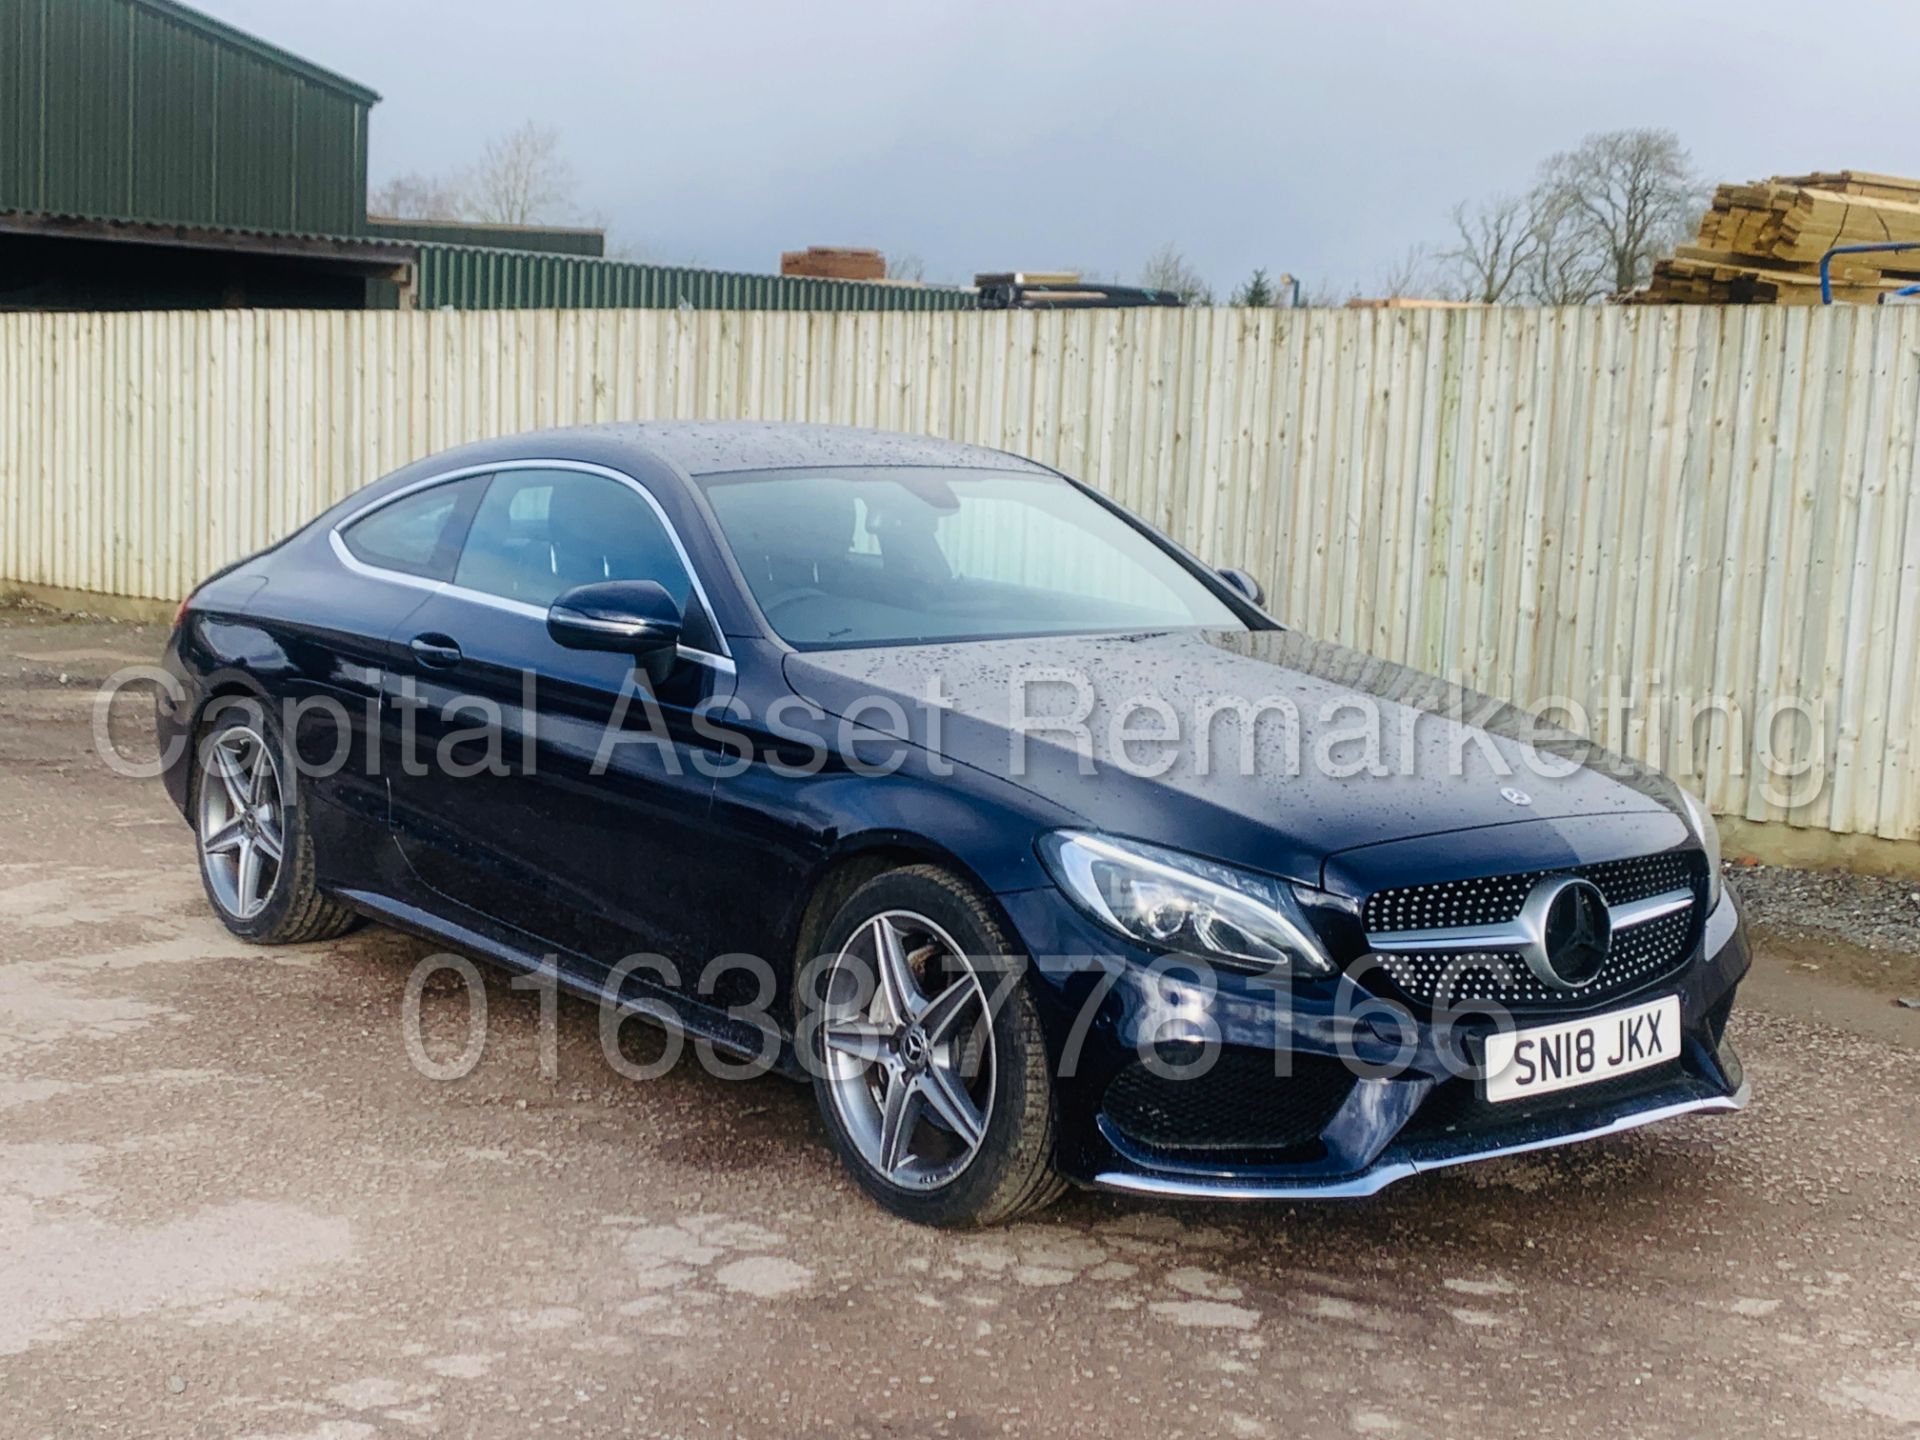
{"x": 900, "y": 556}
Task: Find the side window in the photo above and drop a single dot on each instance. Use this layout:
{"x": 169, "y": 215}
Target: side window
{"x": 538, "y": 533}
{"x": 417, "y": 535}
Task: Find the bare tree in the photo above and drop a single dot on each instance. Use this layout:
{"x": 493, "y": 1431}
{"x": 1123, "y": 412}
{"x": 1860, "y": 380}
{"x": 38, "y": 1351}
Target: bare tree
{"x": 1594, "y": 223}
{"x": 1627, "y": 197}
{"x": 1167, "y": 269}
{"x": 522, "y": 179}
{"x": 415, "y": 196}
{"x": 907, "y": 267}
{"x": 1562, "y": 265}
{"x": 1495, "y": 243}
{"x": 1411, "y": 275}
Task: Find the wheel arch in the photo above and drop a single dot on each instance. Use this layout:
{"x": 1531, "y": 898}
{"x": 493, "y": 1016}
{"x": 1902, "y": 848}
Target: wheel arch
{"x": 224, "y": 685}
{"x": 861, "y": 858}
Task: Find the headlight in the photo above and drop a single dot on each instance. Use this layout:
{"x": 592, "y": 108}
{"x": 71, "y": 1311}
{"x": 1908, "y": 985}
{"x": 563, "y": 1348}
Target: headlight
{"x": 1182, "y": 904}
{"x": 1708, "y": 834}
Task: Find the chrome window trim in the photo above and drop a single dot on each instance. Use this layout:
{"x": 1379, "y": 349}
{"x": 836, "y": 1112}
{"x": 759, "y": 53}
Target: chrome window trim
{"x": 721, "y": 660}
{"x": 1518, "y": 934}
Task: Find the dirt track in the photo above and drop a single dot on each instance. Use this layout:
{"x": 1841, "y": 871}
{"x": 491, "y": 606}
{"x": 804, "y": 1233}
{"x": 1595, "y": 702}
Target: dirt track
{"x": 230, "y": 1206}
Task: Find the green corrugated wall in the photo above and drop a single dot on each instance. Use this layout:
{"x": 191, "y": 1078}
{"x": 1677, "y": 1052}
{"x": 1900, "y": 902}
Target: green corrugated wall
{"x": 554, "y": 240}
{"x": 465, "y": 278}
{"x": 142, "y": 110}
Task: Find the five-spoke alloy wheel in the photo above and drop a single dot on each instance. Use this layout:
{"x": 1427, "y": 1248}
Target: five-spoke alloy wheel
{"x": 908, "y": 1050}
{"x": 256, "y": 854}
{"x": 242, "y": 831}
{"x": 927, "y": 1057}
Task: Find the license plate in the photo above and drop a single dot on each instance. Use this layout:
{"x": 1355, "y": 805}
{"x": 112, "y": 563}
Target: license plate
{"x": 1526, "y": 1063}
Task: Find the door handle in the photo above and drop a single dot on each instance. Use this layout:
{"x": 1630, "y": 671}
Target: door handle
{"x": 437, "y": 651}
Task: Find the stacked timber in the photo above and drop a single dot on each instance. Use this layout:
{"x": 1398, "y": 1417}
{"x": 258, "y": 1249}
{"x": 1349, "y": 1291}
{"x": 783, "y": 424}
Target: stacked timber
{"x": 834, "y": 262}
{"x": 1761, "y": 244}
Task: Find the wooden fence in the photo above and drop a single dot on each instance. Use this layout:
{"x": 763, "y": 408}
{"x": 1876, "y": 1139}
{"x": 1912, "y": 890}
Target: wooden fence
{"x": 1685, "y": 508}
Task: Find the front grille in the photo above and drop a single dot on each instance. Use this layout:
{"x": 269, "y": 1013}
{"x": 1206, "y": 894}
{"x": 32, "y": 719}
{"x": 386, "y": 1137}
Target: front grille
{"x": 1641, "y": 954}
{"x": 1236, "y": 1108}
{"x": 1492, "y": 899}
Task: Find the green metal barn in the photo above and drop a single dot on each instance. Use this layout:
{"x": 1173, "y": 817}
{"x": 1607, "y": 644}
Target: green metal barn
{"x": 154, "y": 158}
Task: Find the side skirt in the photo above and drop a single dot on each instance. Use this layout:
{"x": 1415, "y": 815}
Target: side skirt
{"x": 738, "y": 1039}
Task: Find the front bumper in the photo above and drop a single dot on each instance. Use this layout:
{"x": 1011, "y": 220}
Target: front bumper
{"x": 1390, "y": 1168}
{"x": 176, "y": 711}
{"x": 1345, "y": 1134}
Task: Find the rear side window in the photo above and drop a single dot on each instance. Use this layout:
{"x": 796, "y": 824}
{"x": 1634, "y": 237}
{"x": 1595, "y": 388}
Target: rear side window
{"x": 419, "y": 534}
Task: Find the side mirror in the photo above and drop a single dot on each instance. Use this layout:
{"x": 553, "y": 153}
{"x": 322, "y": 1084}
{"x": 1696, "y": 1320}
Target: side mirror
{"x": 1243, "y": 582}
{"x": 627, "y": 617}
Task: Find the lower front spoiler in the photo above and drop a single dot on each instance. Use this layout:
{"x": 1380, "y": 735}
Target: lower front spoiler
{"x": 1389, "y": 1169}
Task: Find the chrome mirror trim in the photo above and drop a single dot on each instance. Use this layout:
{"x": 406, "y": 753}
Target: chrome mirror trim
{"x": 621, "y": 629}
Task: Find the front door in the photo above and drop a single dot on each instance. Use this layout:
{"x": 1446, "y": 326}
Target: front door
{"x": 554, "y": 790}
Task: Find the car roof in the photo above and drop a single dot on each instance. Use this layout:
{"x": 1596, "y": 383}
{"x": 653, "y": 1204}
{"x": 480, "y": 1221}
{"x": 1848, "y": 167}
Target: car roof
{"x": 711, "y": 447}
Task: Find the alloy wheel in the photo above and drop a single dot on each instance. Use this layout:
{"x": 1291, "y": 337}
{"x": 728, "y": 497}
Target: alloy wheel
{"x": 241, "y": 825}
{"x": 907, "y": 1041}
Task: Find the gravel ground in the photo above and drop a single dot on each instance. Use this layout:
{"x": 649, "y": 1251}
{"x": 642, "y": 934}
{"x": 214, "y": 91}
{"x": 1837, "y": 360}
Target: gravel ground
{"x": 230, "y": 1206}
{"x": 1872, "y": 911}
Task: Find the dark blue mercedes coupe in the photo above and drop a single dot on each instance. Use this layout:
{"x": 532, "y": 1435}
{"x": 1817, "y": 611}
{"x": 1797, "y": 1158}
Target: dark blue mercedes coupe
{"x": 929, "y": 776}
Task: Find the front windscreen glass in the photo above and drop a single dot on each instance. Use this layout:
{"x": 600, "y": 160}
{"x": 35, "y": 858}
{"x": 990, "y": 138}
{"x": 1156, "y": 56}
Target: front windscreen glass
{"x": 900, "y": 556}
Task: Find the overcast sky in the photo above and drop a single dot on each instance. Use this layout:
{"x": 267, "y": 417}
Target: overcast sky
{"x": 1318, "y": 138}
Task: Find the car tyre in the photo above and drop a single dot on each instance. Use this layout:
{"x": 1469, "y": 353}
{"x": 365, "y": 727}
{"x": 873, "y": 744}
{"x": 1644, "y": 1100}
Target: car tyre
{"x": 981, "y": 1134}
{"x": 256, "y": 852}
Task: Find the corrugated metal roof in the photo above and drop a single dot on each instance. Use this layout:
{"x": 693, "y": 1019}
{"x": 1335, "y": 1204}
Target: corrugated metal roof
{"x": 205, "y": 237}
